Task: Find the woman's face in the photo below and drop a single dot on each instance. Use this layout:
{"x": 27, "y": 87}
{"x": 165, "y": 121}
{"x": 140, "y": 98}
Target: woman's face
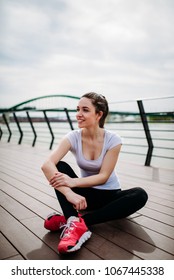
{"x": 86, "y": 115}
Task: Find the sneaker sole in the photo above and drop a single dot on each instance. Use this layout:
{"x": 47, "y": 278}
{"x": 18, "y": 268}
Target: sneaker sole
{"x": 82, "y": 240}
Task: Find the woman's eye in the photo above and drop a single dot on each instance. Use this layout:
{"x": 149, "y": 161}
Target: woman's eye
{"x": 85, "y": 110}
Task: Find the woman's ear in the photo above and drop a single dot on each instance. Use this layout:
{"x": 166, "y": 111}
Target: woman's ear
{"x": 100, "y": 114}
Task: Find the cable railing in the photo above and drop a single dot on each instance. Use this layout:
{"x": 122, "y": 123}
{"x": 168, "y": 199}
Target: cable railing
{"x": 146, "y": 127}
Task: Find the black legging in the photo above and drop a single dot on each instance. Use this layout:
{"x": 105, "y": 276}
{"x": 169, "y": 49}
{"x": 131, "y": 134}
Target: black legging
{"x": 104, "y": 205}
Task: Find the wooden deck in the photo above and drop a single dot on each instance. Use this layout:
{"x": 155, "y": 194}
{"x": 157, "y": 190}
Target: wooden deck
{"x": 26, "y": 199}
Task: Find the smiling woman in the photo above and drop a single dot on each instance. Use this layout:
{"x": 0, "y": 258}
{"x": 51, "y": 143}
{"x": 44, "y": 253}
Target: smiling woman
{"x": 100, "y": 104}
{"x": 98, "y": 190}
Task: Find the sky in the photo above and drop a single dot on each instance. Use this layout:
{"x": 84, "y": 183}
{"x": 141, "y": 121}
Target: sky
{"x": 123, "y": 49}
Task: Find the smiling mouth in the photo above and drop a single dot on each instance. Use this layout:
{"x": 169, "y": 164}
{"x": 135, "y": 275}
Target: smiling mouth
{"x": 80, "y": 121}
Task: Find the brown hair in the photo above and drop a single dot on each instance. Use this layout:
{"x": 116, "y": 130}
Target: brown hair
{"x": 100, "y": 103}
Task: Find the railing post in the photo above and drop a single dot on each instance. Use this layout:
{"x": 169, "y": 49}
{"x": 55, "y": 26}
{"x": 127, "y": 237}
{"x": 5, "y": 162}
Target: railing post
{"x": 1, "y": 133}
{"x": 32, "y": 127}
{"x": 50, "y": 129}
{"x": 8, "y": 127}
{"x": 19, "y": 128}
{"x": 68, "y": 118}
{"x": 147, "y": 132}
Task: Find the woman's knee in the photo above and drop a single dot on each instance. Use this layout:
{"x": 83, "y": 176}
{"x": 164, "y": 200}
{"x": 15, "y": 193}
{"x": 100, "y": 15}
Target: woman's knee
{"x": 61, "y": 165}
{"x": 65, "y": 168}
{"x": 142, "y": 195}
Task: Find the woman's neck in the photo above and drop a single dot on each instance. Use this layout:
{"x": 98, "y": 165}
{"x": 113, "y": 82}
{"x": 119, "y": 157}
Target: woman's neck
{"x": 92, "y": 133}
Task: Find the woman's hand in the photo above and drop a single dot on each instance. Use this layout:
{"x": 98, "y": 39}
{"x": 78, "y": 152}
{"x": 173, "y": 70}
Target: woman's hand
{"x": 61, "y": 180}
{"x": 78, "y": 201}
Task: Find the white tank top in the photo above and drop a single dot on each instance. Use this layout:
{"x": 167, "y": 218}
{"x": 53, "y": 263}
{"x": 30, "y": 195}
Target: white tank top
{"x": 92, "y": 167}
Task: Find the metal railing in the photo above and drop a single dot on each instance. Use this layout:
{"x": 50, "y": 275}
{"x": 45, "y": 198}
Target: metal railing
{"x": 146, "y": 133}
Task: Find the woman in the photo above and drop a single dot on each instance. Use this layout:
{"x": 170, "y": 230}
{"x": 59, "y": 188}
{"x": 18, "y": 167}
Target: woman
{"x": 98, "y": 190}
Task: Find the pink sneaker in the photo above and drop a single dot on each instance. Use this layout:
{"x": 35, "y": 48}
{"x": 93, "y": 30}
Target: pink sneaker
{"x": 54, "y": 222}
{"x": 73, "y": 236}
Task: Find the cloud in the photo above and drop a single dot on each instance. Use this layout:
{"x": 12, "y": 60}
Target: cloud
{"x": 75, "y": 46}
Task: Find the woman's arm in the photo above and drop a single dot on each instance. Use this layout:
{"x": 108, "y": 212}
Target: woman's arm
{"x": 107, "y": 167}
{"x": 50, "y": 171}
{"x": 49, "y": 166}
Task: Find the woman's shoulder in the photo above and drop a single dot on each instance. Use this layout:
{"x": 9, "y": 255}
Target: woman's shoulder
{"x": 73, "y": 133}
{"x": 74, "y": 138}
{"x": 113, "y": 137}
{"x": 110, "y": 134}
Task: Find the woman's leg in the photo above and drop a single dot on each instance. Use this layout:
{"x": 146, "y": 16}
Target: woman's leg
{"x": 106, "y": 205}
{"x": 67, "y": 207}
{"x": 75, "y": 231}
{"x": 92, "y": 195}
{"x": 121, "y": 204}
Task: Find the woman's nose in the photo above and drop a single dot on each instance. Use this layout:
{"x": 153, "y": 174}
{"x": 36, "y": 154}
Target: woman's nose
{"x": 79, "y": 113}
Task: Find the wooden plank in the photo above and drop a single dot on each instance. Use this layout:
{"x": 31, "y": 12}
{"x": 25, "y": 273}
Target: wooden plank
{"x": 108, "y": 249}
{"x": 26, "y": 176}
{"x": 36, "y": 180}
{"x": 144, "y": 172}
{"x": 24, "y": 172}
{"x": 6, "y": 249}
{"x": 161, "y": 201}
{"x": 161, "y": 208}
{"x": 29, "y": 178}
{"x": 25, "y": 241}
{"x": 132, "y": 244}
{"x": 31, "y": 191}
{"x": 157, "y": 226}
{"x": 157, "y": 189}
{"x": 26, "y": 168}
{"x": 26, "y": 156}
{"x": 16, "y": 258}
{"x": 12, "y": 206}
{"x": 148, "y": 235}
{"x": 166, "y": 219}
{"x": 37, "y": 207}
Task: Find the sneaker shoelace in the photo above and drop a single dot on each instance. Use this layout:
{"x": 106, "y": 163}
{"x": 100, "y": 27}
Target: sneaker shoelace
{"x": 67, "y": 229}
